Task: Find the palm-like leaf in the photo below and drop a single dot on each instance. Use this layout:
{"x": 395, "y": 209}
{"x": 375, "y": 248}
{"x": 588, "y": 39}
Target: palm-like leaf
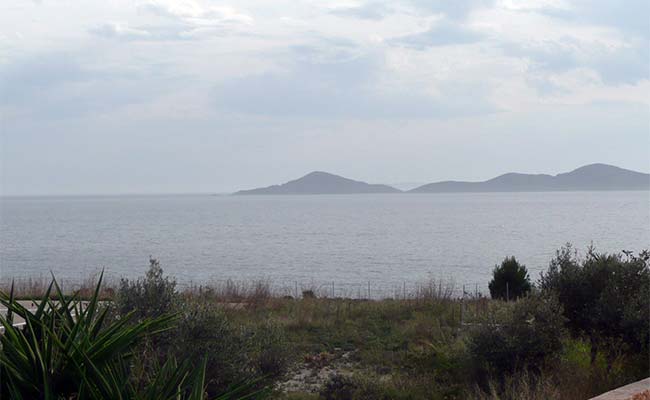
{"x": 68, "y": 348}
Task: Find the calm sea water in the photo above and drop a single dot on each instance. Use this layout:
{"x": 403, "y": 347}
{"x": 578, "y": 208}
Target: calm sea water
{"x": 349, "y": 239}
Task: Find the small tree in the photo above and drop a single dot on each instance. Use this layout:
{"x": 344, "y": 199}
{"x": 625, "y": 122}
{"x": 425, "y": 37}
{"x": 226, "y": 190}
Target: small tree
{"x": 509, "y": 280}
{"x": 148, "y": 297}
{"x": 606, "y": 298}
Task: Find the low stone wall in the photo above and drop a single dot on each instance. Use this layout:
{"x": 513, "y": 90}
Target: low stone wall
{"x": 634, "y": 391}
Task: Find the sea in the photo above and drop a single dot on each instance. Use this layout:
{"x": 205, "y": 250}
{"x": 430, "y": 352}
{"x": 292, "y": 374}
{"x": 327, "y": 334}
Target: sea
{"x": 353, "y": 245}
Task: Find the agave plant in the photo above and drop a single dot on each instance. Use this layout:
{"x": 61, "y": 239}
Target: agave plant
{"x": 70, "y": 349}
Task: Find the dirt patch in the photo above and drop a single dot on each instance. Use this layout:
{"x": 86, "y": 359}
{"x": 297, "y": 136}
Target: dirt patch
{"x": 310, "y": 375}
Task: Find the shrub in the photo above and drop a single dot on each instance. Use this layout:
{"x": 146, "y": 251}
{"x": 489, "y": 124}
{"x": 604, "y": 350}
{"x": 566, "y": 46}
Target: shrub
{"x": 529, "y": 334}
{"x": 510, "y": 280}
{"x": 372, "y": 387}
{"x": 271, "y": 354}
{"x": 520, "y": 386}
{"x": 204, "y": 329}
{"x": 338, "y": 387}
{"x": 151, "y": 296}
{"x": 605, "y": 297}
{"x": 234, "y": 352}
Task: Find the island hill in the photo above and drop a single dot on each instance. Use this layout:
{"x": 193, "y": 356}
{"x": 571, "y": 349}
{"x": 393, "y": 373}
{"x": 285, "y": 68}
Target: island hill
{"x": 589, "y": 177}
{"x": 319, "y": 182}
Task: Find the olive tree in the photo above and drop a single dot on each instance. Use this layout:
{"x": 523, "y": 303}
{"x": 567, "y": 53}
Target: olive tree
{"x": 605, "y": 298}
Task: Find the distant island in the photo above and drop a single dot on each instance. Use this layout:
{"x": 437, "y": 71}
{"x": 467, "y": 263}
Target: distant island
{"x": 588, "y": 177}
{"x": 319, "y": 182}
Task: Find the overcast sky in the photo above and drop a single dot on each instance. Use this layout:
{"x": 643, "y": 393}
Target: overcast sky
{"x": 100, "y": 96}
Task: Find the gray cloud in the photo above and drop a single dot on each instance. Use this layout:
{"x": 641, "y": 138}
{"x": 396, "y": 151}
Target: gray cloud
{"x": 376, "y": 10}
{"x": 443, "y": 33}
{"x": 39, "y": 73}
{"x": 341, "y": 88}
{"x": 628, "y": 64}
{"x": 456, "y": 9}
{"x": 630, "y": 16}
{"x": 61, "y": 85}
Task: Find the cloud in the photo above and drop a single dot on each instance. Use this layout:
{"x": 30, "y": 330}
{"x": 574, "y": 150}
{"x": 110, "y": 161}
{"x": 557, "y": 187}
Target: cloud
{"x": 378, "y": 9}
{"x": 443, "y": 33}
{"x": 119, "y": 30}
{"x": 625, "y": 64}
{"x": 124, "y": 32}
{"x": 183, "y": 20}
{"x": 455, "y": 9}
{"x": 370, "y": 10}
{"x": 195, "y": 14}
{"x": 630, "y": 16}
{"x": 349, "y": 85}
{"x": 62, "y": 85}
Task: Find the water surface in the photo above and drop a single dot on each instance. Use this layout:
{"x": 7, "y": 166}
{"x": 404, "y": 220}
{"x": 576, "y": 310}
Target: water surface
{"x": 351, "y": 240}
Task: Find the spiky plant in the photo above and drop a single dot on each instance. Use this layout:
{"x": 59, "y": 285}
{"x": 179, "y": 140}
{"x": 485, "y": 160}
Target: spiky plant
{"x": 70, "y": 349}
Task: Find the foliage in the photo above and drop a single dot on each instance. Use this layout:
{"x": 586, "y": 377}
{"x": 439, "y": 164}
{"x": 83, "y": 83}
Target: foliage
{"x": 521, "y": 385}
{"x": 271, "y": 353}
{"x": 234, "y": 352}
{"x": 151, "y": 296}
{"x": 531, "y": 333}
{"x": 205, "y": 329}
{"x": 70, "y": 349}
{"x": 606, "y": 298}
{"x": 364, "y": 386}
{"x": 510, "y": 280}
{"x": 338, "y": 387}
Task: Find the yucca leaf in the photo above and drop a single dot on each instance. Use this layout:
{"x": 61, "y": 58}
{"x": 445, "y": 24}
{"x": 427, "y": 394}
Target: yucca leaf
{"x": 198, "y": 386}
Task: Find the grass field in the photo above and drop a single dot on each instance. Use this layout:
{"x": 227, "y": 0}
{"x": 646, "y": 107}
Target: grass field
{"x": 409, "y": 348}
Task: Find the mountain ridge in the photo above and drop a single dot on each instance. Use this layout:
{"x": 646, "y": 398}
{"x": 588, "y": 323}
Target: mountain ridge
{"x": 319, "y": 182}
{"x": 588, "y": 177}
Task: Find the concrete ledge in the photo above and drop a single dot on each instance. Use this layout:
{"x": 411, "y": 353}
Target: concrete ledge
{"x": 634, "y": 391}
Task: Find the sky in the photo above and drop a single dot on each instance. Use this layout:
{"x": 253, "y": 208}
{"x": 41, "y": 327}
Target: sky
{"x": 201, "y": 96}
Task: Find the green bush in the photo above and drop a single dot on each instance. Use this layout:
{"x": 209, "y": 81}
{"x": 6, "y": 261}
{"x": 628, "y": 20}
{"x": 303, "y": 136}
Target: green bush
{"x": 151, "y": 296}
{"x": 510, "y": 280}
{"x": 530, "y": 333}
{"x": 271, "y": 353}
{"x": 234, "y": 352}
{"x": 605, "y": 297}
{"x": 204, "y": 329}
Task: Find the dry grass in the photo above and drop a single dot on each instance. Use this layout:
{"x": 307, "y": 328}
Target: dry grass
{"x": 523, "y": 386}
{"x": 35, "y": 287}
{"x": 231, "y": 291}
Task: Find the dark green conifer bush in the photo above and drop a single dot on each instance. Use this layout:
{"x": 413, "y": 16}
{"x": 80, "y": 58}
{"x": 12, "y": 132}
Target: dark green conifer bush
{"x": 510, "y": 280}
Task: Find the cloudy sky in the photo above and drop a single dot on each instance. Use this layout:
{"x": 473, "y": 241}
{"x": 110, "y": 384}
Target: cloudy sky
{"x": 129, "y": 96}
